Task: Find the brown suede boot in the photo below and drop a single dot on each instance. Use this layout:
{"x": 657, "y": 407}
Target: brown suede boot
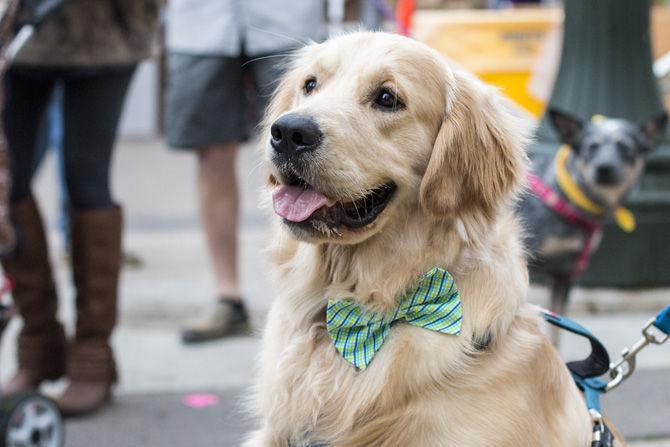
{"x": 41, "y": 344}
{"x": 96, "y": 260}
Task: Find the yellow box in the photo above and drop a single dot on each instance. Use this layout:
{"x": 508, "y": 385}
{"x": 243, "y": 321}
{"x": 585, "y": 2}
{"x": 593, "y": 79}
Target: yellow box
{"x": 500, "y": 46}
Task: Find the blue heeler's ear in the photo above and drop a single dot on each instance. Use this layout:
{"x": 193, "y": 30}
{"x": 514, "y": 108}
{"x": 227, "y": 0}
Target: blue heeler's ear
{"x": 654, "y": 129}
{"x": 568, "y": 127}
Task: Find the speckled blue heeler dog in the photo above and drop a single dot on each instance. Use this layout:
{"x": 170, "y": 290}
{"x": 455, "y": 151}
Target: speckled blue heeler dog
{"x": 592, "y": 175}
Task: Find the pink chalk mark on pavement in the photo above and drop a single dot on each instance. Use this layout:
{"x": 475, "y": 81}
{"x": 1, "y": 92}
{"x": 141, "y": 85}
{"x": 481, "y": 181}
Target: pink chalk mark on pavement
{"x": 201, "y": 400}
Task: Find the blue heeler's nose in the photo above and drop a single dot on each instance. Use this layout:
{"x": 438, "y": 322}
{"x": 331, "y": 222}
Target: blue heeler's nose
{"x": 606, "y": 175}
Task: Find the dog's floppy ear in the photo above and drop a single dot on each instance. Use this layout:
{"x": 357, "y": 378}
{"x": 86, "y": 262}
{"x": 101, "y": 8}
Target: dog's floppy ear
{"x": 654, "y": 129}
{"x": 478, "y": 158}
{"x": 568, "y": 127}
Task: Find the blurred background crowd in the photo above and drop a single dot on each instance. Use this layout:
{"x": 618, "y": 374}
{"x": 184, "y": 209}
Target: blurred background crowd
{"x": 137, "y": 259}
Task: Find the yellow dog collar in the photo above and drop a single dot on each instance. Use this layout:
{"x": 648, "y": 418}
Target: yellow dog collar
{"x": 623, "y": 216}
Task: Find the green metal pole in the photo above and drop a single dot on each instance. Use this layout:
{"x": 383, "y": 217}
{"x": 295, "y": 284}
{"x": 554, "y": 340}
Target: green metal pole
{"x": 606, "y": 68}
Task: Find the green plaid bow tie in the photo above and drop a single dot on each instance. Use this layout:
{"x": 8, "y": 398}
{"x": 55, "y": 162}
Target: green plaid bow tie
{"x": 434, "y": 303}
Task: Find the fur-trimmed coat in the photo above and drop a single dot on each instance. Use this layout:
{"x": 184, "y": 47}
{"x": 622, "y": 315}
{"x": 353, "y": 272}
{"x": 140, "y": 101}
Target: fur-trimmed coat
{"x": 94, "y": 33}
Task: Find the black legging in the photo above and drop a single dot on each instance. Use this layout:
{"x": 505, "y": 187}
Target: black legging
{"x": 92, "y": 104}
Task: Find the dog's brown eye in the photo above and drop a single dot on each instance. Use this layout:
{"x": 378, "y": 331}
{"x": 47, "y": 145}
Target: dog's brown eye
{"x": 310, "y": 85}
{"x": 386, "y": 100}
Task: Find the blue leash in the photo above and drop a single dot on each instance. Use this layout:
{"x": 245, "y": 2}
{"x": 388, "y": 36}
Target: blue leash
{"x": 586, "y": 373}
{"x": 662, "y": 321}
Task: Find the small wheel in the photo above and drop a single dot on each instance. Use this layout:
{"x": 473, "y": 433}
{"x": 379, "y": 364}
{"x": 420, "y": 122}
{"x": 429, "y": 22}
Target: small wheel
{"x": 30, "y": 419}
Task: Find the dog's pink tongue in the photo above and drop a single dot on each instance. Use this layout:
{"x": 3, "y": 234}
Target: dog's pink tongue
{"x": 297, "y": 204}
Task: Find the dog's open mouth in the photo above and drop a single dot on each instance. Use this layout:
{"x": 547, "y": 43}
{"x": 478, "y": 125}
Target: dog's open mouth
{"x": 299, "y": 204}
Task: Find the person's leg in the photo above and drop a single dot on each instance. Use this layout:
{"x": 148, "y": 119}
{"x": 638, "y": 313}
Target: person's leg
{"x": 218, "y": 201}
{"x": 217, "y": 186}
{"x": 92, "y": 108}
{"x": 206, "y": 111}
{"x": 217, "y": 182}
{"x": 41, "y": 343}
{"x": 27, "y": 95}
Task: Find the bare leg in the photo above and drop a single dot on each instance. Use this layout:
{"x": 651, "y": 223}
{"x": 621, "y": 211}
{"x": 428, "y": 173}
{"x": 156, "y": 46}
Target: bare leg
{"x": 217, "y": 196}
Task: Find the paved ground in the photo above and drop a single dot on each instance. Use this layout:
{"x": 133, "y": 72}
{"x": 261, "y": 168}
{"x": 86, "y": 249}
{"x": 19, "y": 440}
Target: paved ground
{"x": 157, "y": 371}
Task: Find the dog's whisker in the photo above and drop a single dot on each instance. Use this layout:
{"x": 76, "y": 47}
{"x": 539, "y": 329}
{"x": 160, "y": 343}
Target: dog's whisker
{"x": 284, "y": 36}
{"x": 353, "y": 201}
{"x": 255, "y": 167}
{"x": 269, "y": 56}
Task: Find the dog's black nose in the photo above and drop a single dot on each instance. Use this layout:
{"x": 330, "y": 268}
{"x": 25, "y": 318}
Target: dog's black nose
{"x": 606, "y": 175}
{"x": 294, "y": 134}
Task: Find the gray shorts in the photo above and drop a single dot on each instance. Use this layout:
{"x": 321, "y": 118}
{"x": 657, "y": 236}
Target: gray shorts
{"x": 215, "y": 100}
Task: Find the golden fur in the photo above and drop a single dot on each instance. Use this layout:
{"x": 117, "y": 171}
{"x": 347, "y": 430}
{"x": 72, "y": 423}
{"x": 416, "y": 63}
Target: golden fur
{"x": 456, "y": 154}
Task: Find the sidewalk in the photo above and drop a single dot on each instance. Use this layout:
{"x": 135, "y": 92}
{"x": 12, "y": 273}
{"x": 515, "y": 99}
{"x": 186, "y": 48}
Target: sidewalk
{"x": 157, "y": 189}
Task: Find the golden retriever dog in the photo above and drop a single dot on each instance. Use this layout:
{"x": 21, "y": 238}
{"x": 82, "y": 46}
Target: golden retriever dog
{"x": 386, "y": 161}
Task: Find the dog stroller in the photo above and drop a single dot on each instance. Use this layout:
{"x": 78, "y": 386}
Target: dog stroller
{"x": 27, "y": 419}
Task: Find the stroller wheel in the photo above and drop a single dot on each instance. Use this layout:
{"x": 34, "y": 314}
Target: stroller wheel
{"x": 30, "y": 419}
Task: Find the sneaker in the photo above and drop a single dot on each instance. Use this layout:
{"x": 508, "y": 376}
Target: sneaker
{"x": 227, "y": 317}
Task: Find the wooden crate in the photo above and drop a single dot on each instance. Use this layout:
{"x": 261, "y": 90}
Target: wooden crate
{"x": 502, "y": 46}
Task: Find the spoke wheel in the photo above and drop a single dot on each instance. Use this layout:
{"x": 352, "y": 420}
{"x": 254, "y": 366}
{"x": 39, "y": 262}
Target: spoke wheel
{"x": 30, "y": 420}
